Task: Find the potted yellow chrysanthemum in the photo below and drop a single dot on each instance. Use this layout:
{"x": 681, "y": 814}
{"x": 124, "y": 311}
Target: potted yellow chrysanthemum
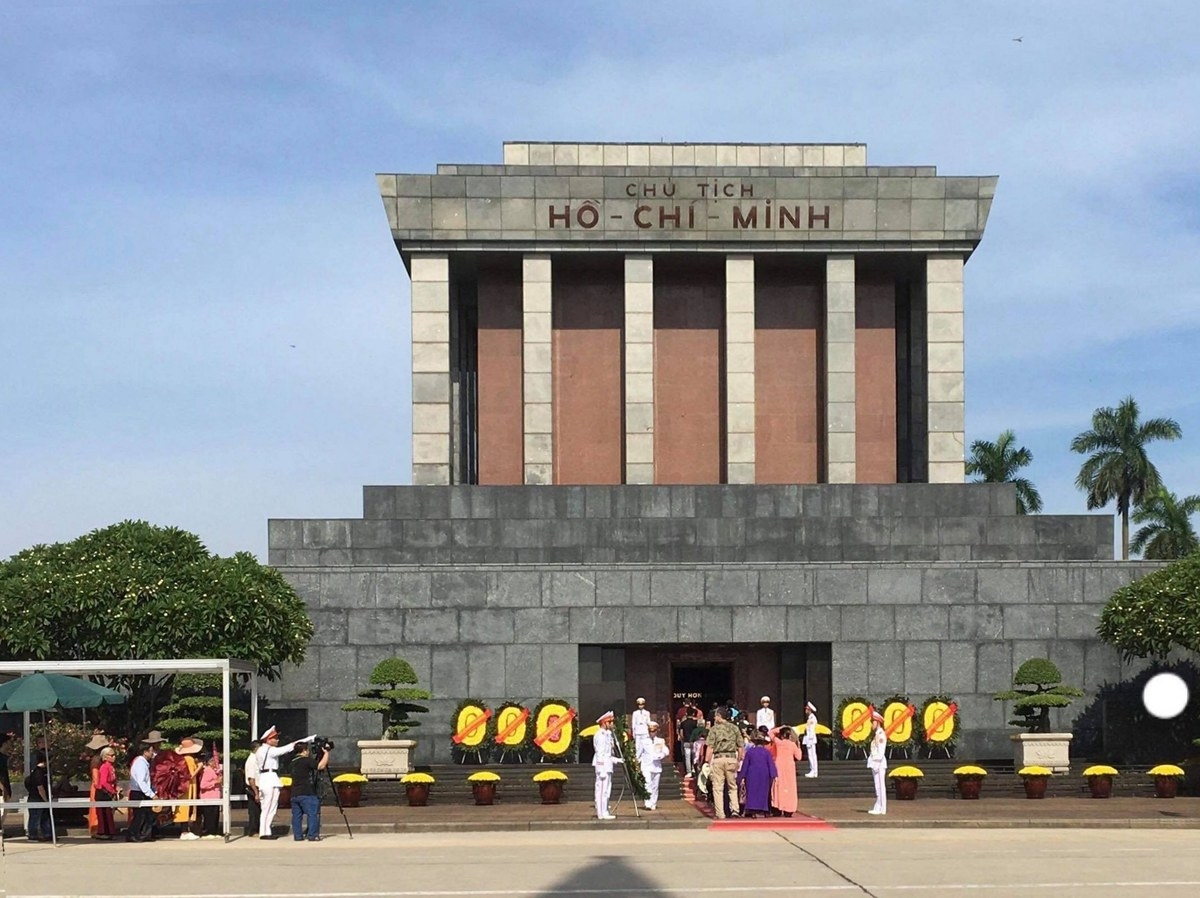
{"x": 483, "y": 786}
{"x": 1036, "y": 779}
{"x": 349, "y": 788}
{"x": 550, "y": 785}
{"x": 416, "y": 788}
{"x": 906, "y": 779}
{"x": 285, "y": 792}
{"x": 970, "y": 780}
{"x": 1100, "y": 779}
{"x": 1166, "y": 779}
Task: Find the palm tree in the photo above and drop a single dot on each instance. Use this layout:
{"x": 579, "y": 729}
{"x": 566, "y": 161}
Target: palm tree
{"x": 1168, "y": 532}
{"x": 1118, "y": 467}
{"x": 999, "y": 462}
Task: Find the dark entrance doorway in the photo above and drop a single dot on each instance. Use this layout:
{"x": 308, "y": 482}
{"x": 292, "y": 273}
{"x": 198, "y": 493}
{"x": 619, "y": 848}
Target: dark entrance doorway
{"x": 701, "y": 684}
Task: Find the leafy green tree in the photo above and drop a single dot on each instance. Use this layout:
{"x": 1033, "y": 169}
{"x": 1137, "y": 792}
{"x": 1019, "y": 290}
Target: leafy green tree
{"x": 1117, "y": 466}
{"x": 1037, "y": 687}
{"x": 1168, "y": 530}
{"x": 1000, "y": 462}
{"x": 136, "y": 591}
{"x": 195, "y": 710}
{"x": 392, "y": 697}
{"x": 1155, "y": 613}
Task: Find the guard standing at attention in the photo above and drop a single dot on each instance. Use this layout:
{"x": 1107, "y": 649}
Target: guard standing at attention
{"x": 877, "y": 762}
{"x": 810, "y": 739}
{"x": 639, "y": 722}
{"x": 652, "y": 765}
{"x": 603, "y": 762}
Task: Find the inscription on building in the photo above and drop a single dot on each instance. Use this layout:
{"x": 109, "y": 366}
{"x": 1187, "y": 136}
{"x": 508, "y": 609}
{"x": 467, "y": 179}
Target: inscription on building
{"x": 733, "y": 217}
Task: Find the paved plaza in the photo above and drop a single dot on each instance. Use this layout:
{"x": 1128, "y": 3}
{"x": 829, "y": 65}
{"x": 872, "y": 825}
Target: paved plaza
{"x": 667, "y": 862}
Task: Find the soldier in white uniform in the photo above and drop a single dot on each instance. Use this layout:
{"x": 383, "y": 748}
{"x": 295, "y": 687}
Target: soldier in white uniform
{"x": 877, "y": 762}
{"x": 810, "y": 739}
{"x": 765, "y": 716}
{"x": 602, "y": 763}
{"x": 639, "y": 722}
{"x": 652, "y": 765}
{"x": 268, "y": 755}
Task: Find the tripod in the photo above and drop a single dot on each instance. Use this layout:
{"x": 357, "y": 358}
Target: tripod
{"x": 338, "y": 801}
{"x": 628, "y": 777}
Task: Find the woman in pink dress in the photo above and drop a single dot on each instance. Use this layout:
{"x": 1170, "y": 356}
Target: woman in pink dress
{"x": 783, "y": 790}
{"x": 106, "y": 789}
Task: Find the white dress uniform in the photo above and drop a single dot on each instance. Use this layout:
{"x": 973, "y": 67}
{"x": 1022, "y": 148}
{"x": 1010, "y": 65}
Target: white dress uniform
{"x": 652, "y": 768}
{"x": 810, "y": 742}
{"x": 877, "y": 762}
{"x": 268, "y": 782}
{"x": 639, "y": 722}
{"x": 765, "y": 718}
{"x": 602, "y": 763}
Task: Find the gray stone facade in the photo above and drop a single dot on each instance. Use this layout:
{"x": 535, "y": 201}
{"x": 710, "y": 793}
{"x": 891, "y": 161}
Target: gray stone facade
{"x": 918, "y": 588}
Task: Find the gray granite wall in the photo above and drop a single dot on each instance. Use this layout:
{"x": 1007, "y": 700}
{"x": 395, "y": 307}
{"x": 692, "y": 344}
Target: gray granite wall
{"x": 512, "y": 632}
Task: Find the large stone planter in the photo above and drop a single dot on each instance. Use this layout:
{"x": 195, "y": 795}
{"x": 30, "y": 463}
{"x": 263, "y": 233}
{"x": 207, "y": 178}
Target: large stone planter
{"x": 1051, "y": 750}
{"x": 385, "y": 759}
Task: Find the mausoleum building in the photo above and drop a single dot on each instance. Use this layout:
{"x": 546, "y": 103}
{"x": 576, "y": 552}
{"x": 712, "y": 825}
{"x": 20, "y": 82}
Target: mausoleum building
{"x": 688, "y": 421}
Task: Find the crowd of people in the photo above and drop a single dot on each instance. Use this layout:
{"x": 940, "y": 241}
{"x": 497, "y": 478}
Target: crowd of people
{"x": 742, "y": 766}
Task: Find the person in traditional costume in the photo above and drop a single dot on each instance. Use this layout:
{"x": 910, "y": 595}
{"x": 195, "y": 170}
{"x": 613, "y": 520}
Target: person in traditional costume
{"x": 639, "y": 723}
{"x": 756, "y": 774}
{"x": 106, "y": 789}
{"x": 603, "y": 764}
{"x": 651, "y": 762}
{"x": 877, "y": 762}
{"x": 810, "y": 738}
{"x": 98, "y": 743}
{"x": 268, "y": 755}
{"x": 211, "y": 787}
{"x": 786, "y": 754}
{"x": 188, "y": 816}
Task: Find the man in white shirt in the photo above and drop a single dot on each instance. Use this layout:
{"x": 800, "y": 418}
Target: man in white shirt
{"x": 639, "y": 722}
{"x": 652, "y": 765}
{"x": 602, "y": 764}
{"x": 268, "y": 777}
{"x": 877, "y": 762}
{"x": 765, "y": 716}
{"x": 253, "y": 808}
{"x": 141, "y": 828}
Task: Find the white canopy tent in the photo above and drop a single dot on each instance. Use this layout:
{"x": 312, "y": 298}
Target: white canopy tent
{"x": 227, "y": 668}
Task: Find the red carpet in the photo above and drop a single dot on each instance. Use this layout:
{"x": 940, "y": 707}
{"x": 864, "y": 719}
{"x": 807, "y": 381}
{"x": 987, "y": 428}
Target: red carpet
{"x": 771, "y": 823}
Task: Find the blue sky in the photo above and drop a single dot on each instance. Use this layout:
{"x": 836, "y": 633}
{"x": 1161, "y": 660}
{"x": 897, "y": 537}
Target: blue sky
{"x": 204, "y": 320}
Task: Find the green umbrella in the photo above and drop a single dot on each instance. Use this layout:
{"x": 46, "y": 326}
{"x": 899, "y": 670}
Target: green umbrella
{"x": 45, "y": 692}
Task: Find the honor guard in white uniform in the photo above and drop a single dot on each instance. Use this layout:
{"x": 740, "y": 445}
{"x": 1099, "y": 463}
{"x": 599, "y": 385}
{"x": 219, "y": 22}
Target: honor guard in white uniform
{"x": 652, "y": 765}
{"x": 765, "y": 716}
{"x": 602, "y": 763}
{"x": 639, "y": 722}
{"x": 268, "y": 755}
{"x": 810, "y": 739}
{"x": 877, "y": 762}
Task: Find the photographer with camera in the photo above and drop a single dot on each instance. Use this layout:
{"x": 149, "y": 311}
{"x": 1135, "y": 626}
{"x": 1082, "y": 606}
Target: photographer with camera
{"x": 306, "y": 798}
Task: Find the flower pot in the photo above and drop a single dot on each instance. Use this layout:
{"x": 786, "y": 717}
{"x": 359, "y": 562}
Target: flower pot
{"x": 906, "y": 788}
{"x": 349, "y": 794}
{"x": 485, "y": 793}
{"x": 1100, "y": 785}
{"x": 1035, "y": 786}
{"x": 1165, "y": 786}
{"x": 968, "y": 787}
{"x": 418, "y": 794}
{"x": 551, "y": 791}
{"x": 285, "y": 796}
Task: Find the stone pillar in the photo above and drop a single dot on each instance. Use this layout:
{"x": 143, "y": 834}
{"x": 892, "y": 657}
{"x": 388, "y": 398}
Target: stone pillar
{"x": 840, "y": 446}
{"x": 431, "y": 368}
{"x": 944, "y": 352}
{"x": 538, "y": 379}
{"x": 739, "y": 369}
{"x": 639, "y": 369}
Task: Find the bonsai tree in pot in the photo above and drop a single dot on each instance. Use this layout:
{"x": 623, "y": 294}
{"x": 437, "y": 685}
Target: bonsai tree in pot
{"x": 1038, "y": 687}
{"x": 394, "y": 697}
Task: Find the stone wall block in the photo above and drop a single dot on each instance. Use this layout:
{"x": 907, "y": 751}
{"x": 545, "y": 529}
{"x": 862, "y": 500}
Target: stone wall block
{"x": 785, "y": 586}
{"x": 1075, "y": 621}
{"x": 844, "y": 586}
{"x": 458, "y": 589}
{"x": 347, "y": 589}
{"x": 958, "y": 667}
{"x": 1002, "y": 586}
{"x": 814, "y": 623}
{"x": 524, "y": 673}
{"x": 994, "y": 669}
{"x": 885, "y": 669}
{"x": 541, "y": 625}
{"x": 922, "y": 668}
{"x": 486, "y": 671}
{"x": 737, "y": 588}
{"x": 651, "y": 624}
{"x": 376, "y": 627}
{"x": 597, "y": 625}
{"x": 433, "y": 627}
{"x": 948, "y": 586}
{"x": 975, "y": 622}
{"x": 569, "y": 588}
{"x": 676, "y": 588}
{"x": 755, "y": 624}
{"x": 850, "y": 668}
{"x": 922, "y": 622}
{"x": 448, "y": 678}
{"x": 403, "y": 590}
{"x": 874, "y": 623}
{"x": 560, "y": 671}
{"x": 894, "y": 586}
{"x": 488, "y": 626}
{"x": 716, "y": 624}
{"x": 1029, "y": 621}
{"x": 338, "y": 667}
